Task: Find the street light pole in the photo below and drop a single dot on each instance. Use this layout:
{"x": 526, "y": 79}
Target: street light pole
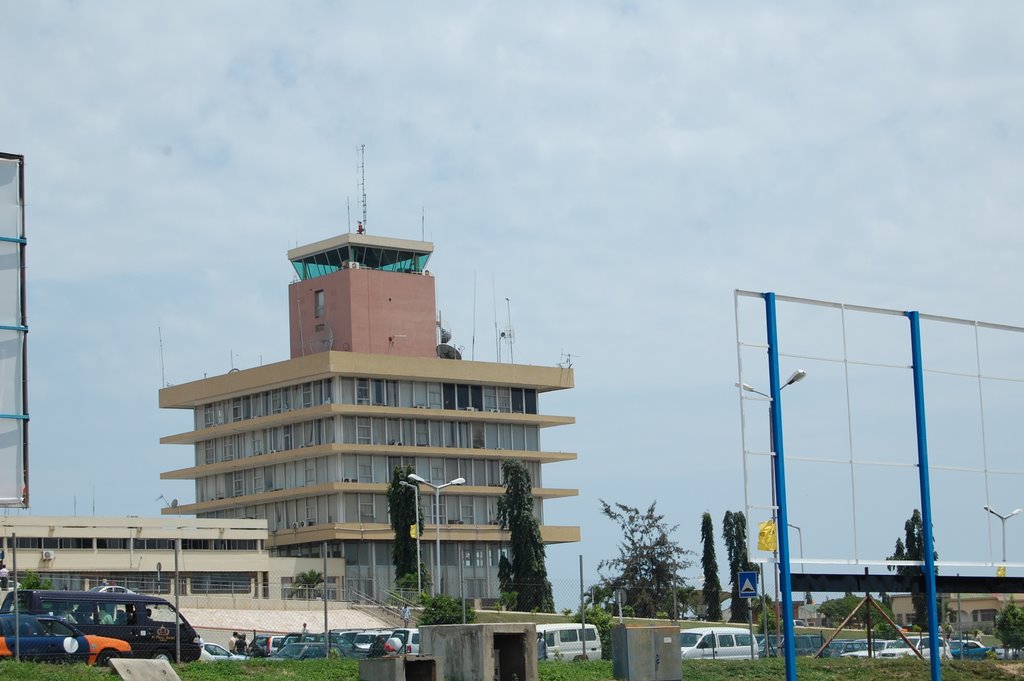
{"x": 1003, "y": 518}
{"x": 795, "y": 377}
{"x": 437, "y": 521}
{"x": 419, "y": 572}
{"x": 800, "y": 535}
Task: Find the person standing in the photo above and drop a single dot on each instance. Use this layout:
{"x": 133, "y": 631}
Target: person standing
{"x": 305, "y": 630}
{"x": 5, "y": 576}
{"x": 406, "y": 614}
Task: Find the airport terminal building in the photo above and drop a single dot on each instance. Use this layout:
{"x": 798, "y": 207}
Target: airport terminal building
{"x": 308, "y": 444}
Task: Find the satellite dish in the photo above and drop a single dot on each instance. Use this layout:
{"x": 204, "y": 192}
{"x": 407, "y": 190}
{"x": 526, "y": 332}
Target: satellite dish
{"x": 174, "y": 503}
{"x": 445, "y": 351}
{"x": 295, "y": 526}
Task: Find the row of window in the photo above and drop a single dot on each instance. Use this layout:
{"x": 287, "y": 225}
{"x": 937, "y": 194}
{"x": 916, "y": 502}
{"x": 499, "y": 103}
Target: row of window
{"x": 366, "y": 430}
{"x": 265, "y": 403}
{"x": 364, "y": 554}
{"x": 362, "y": 468}
{"x": 369, "y": 391}
{"x": 367, "y": 508}
{"x": 137, "y": 544}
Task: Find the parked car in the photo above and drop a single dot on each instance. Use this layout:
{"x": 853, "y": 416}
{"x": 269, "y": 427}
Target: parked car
{"x": 804, "y": 645}
{"x": 716, "y": 643}
{"x": 563, "y": 640}
{"x": 148, "y": 623}
{"x": 264, "y": 645}
{"x": 410, "y": 639}
{"x": 38, "y": 643}
{"x": 878, "y": 646}
{"x": 212, "y": 652}
{"x": 970, "y": 650}
{"x": 101, "y": 648}
{"x": 299, "y": 651}
{"x": 111, "y": 589}
{"x": 363, "y": 639}
{"x": 922, "y": 643}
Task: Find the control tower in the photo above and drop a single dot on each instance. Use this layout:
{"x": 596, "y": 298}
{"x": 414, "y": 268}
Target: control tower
{"x": 362, "y": 293}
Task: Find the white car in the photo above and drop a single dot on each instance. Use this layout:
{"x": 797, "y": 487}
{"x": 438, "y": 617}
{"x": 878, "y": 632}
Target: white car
{"x": 878, "y": 647}
{"x": 111, "y": 589}
{"x": 923, "y": 644}
{"x": 211, "y": 652}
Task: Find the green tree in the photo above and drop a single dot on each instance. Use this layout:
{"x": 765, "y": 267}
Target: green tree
{"x": 523, "y": 572}
{"x": 601, "y": 619}
{"x": 1010, "y": 626}
{"x": 913, "y": 549}
{"x": 404, "y": 514}
{"x": 649, "y": 563}
{"x": 29, "y": 579}
{"x": 734, "y": 533}
{"x": 712, "y": 587}
{"x": 306, "y": 582}
{"x": 443, "y": 609}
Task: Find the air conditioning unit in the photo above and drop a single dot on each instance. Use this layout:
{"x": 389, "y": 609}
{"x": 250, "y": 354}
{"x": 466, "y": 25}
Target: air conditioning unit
{"x": 470, "y": 408}
{"x": 354, "y": 266}
{"x": 493, "y": 411}
{"x": 49, "y": 555}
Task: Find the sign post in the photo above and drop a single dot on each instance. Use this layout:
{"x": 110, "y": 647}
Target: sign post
{"x": 748, "y": 590}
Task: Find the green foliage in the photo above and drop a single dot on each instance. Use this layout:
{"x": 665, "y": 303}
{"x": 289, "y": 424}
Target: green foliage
{"x": 913, "y": 549}
{"x": 763, "y": 605}
{"x": 443, "y": 609}
{"x": 403, "y": 513}
{"x": 734, "y": 533}
{"x": 523, "y": 572}
{"x": 30, "y": 579}
{"x": 649, "y": 560}
{"x": 1010, "y": 626}
{"x": 712, "y": 587}
{"x": 305, "y": 583}
{"x": 601, "y": 619}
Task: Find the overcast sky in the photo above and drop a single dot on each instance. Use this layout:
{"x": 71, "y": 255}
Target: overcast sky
{"x": 614, "y": 169}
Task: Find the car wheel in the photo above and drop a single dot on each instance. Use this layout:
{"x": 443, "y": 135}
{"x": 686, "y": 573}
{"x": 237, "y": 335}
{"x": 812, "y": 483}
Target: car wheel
{"x": 163, "y": 655}
{"x": 103, "y": 659}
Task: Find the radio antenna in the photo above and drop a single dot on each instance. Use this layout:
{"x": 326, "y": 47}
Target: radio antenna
{"x": 362, "y": 179}
{"x": 163, "y": 377}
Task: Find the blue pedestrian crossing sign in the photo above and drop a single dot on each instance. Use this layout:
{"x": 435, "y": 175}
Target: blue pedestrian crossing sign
{"x": 748, "y": 584}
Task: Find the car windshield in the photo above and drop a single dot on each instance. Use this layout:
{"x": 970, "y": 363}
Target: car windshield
{"x": 365, "y": 638}
{"x": 292, "y": 651}
{"x": 688, "y": 640}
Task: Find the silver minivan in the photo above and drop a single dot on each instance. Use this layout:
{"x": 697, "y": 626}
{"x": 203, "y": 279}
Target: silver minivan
{"x": 563, "y": 640}
{"x": 717, "y": 643}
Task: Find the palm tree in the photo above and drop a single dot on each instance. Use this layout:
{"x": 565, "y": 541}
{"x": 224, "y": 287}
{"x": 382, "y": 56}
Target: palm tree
{"x": 305, "y": 582}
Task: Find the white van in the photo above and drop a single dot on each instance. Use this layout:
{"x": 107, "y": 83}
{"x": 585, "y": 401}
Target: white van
{"x": 718, "y": 643}
{"x": 563, "y": 640}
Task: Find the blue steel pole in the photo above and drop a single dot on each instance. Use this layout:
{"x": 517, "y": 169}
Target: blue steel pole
{"x": 926, "y": 500}
{"x": 778, "y": 460}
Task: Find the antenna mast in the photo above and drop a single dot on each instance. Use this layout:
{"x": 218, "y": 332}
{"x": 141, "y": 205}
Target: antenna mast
{"x": 362, "y": 179}
{"x": 163, "y": 377}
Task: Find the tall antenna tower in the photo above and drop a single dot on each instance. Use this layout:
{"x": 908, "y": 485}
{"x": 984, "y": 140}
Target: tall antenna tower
{"x": 362, "y": 179}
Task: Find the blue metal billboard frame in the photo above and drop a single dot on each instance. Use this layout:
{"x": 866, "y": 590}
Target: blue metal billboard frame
{"x": 779, "y": 467}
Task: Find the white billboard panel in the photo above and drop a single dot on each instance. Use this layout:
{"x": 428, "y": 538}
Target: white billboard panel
{"x": 13, "y": 407}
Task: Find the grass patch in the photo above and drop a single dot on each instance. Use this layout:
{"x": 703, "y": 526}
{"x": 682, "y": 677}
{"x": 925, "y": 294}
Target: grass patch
{"x": 808, "y": 669}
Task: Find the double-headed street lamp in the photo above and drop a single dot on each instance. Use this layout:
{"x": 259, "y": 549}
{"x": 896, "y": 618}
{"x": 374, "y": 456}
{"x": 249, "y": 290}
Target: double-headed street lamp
{"x": 437, "y": 521}
{"x": 1003, "y": 518}
{"x": 795, "y": 377}
{"x": 419, "y": 572}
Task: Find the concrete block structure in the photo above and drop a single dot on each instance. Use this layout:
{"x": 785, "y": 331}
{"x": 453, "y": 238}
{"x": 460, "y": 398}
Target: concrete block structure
{"x": 646, "y": 653}
{"x": 483, "y": 652}
{"x": 401, "y": 668}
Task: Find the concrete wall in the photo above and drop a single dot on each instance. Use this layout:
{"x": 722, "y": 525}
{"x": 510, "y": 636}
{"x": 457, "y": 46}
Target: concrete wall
{"x": 483, "y": 652}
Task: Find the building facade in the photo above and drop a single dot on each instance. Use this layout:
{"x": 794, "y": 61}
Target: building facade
{"x": 309, "y": 444}
{"x": 213, "y": 557}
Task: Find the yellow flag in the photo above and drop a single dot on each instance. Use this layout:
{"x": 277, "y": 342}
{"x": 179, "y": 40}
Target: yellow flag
{"x": 1001, "y": 571}
{"x": 412, "y": 530}
{"x": 766, "y": 537}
